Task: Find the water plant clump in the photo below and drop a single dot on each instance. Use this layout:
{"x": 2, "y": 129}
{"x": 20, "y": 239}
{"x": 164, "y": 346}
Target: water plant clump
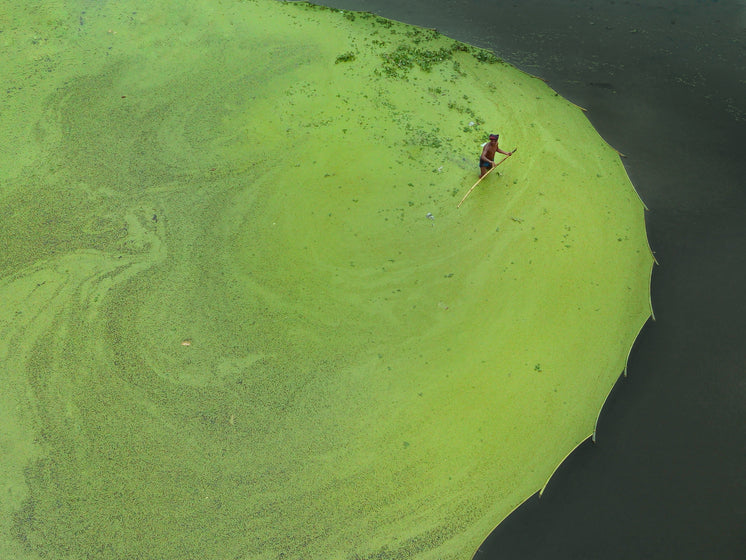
{"x": 345, "y": 57}
{"x": 398, "y": 62}
{"x": 483, "y": 55}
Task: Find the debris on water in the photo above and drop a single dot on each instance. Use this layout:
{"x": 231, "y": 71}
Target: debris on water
{"x": 430, "y": 216}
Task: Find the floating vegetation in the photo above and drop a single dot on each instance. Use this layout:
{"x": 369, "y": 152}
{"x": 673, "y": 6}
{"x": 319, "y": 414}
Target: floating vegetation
{"x": 483, "y": 55}
{"x": 345, "y": 57}
{"x": 241, "y": 314}
{"x": 398, "y": 62}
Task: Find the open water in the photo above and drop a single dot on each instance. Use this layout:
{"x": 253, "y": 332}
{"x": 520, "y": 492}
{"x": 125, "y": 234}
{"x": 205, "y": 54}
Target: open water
{"x": 664, "y": 82}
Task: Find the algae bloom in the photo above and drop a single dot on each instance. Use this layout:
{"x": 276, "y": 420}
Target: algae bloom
{"x": 242, "y": 316}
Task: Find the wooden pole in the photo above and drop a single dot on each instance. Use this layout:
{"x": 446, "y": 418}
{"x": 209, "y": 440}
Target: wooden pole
{"x": 483, "y": 176}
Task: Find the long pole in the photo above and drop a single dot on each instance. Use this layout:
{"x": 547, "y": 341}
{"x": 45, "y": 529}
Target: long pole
{"x": 483, "y": 176}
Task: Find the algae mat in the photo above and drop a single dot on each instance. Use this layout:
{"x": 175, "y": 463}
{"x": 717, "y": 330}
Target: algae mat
{"x": 241, "y": 314}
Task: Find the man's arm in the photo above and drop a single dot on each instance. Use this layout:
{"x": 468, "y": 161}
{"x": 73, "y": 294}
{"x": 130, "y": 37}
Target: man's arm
{"x": 505, "y": 153}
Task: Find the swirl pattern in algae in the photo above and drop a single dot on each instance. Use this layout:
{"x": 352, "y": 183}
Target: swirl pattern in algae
{"x": 241, "y": 314}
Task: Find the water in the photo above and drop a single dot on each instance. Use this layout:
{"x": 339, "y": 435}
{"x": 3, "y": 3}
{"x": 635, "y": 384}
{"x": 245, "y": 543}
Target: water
{"x": 229, "y": 328}
{"x": 664, "y": 83}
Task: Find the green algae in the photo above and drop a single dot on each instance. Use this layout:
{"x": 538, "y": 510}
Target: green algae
{"x": 228, "y": 327}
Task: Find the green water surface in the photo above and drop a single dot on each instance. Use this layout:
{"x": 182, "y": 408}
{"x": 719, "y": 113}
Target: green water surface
{"x": 241, "y": 315}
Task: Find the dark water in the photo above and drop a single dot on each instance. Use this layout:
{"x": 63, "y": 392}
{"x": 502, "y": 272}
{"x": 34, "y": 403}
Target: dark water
{"x": 664, "y": 82}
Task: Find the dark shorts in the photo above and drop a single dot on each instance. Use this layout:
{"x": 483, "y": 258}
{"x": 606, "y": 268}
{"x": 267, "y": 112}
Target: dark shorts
{"x": 484, "y": 163}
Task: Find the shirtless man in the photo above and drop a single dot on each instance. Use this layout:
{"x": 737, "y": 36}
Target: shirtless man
{"x": 487, "y": 159}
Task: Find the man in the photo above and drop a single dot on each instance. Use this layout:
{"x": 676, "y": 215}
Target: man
{"x": 487, "y": 159}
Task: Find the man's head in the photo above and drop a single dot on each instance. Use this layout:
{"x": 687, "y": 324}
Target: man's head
{"x": 494, "y": 137}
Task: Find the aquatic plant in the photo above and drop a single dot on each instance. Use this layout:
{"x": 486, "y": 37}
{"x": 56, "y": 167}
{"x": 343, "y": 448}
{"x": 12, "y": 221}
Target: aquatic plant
{"x": 345, "y": 57}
